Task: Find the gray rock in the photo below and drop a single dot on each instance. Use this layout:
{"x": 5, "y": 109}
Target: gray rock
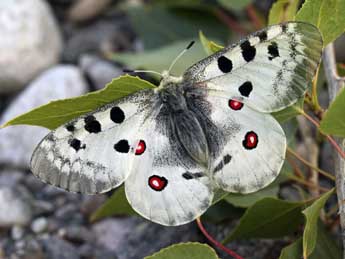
{"x": 27, "y": 249}
{"x": 76, "y": 234}
{"x": 84, "y": 10}
{"x": 30, "y": 42}
{"x": 17, "y": 232}
{"x": 116, "y": 233}
{"x": 100, "y": 37}
{"x": 99, "y": 71}
{"x": 90, "y": 251}
{"x": 39, "y": 225}
{"x": 91, "y": 203}
{"x": 17, "y": 143}
{"x": 11, "y": 177}
{"x": 56, "y": 248}
{"x": 43, "y": 207}
{"x": 15, "y": 206}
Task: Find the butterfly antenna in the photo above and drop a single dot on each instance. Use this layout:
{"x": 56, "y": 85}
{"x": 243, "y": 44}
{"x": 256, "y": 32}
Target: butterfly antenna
{"x": 142, "y": 71}
{"x": 180, "y": 55}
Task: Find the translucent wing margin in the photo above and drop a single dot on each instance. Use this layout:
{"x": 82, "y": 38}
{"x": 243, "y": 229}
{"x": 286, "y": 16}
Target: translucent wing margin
{"x": 269, "y": 70}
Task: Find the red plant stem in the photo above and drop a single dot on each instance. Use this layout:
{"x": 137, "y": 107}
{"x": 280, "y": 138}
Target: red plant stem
{"x": 329, "y": 138}
{"x": 230, "y": 23}
{"x": 254, "y": 17}
{"x": 215, "y": 242}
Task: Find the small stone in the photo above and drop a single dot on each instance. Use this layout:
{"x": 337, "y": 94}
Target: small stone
{"x": 102, "y": 36}
{"x": 17, "y": 232}
{"x": 57, "y": 83}
{"x": 76, "y": 234}
{"x": 11, "y": 177}
{"x": 39, "y": 225}
{"x": 30, "y": 42}
{"x": 89, "y": 250}
{"x": 56, "y": 248}
{"x": 91, "y": 203}
{"x": 15, "y": 206}
{"x": 84, "y": 10}
{"x": 99, "y": 71}
{"x": 116, "y": 233}
{"x": 43, "y": 207}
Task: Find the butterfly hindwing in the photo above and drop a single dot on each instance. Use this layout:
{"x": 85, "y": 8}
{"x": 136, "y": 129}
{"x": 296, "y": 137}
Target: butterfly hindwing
{"x": 269, "y": 70}
{"x": 254, "y": 148}
{"x": 166, "y": 185}
{"x": 92, "y": 153}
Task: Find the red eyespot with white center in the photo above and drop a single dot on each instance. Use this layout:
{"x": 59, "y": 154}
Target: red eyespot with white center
{"x": 157, "y": 183}
{"x": 235, "y": 105}
{"x": 140, "y": 148}
{"x": 250, "y": 140}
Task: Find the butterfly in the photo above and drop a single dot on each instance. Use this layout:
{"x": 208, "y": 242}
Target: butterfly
{"x": 210, "y": 129}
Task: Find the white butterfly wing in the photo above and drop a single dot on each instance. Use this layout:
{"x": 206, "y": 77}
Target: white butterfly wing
{"x": 92, "y": 153}
{"x": 254, "y": 148}
{"x": 165, "y": 185}
{"x": 269, "y": 70}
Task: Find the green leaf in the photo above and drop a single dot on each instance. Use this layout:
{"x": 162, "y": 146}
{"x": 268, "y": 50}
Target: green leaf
{"x": 268, "y": 218}
{"x": 326, "y": 247}
{"x": 222, "y": 211}
{"x": 116, "y": 205}
{"x": 58, "y": 112}
{"x": 185, "y": 251}
{"x": 289, "y": 112}
{"x": 292, "y": 251}
{"x": 247, "y": 200}
{"x": 327, "y": 15}
{"x": 333, "y": 122}
{"x": 210, "y": 47}
{"x": 234, "y": 5}
{"x": 282, "y": 11}
{"x": 157, "y": 26}
{"x": 312, "y": 215}
{"x": 161, "y": 58}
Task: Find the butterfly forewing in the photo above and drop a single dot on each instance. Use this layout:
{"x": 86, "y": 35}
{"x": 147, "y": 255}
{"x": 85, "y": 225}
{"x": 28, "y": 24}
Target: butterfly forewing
{"x": 269, "y": 70}
{"x": 92, "y": 153}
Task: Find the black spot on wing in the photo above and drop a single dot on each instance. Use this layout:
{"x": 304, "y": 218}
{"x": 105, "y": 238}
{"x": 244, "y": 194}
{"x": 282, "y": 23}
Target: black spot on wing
{"x": 248, "y": 51}
{"x": 117, "y": 115}
{"x": 226, "y": 160}
{"x": 188, "y": 175}
{"x": 262, "y": 36}
{"x": 224, "y": 64}
{"x": 91, "y": 124}
{"x": 284, "y": 27}
{"x": 76, "y": 144}
{"x": 273, "y": 50}
{"x": 246, "y": 88}
{"x": 70, "y": 127}
{"x": 122, "y": 146}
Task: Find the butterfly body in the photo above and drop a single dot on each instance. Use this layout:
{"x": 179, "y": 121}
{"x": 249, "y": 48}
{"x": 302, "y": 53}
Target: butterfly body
{"x": 209, "y": 129}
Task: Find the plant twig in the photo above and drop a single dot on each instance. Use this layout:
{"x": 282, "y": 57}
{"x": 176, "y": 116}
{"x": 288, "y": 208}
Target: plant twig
{"x": 254, "y": 17}
{"x": 295, "y": 168}
{"x": 329, "y": 138}
{"x": 308, "y": 184}
{"x": 312, "y": 153}
{"x": 335, "y": 83}
{"x": 215, "y": 242}
{"x": 229, "y": 22}
{"x": 324, "y": 173}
